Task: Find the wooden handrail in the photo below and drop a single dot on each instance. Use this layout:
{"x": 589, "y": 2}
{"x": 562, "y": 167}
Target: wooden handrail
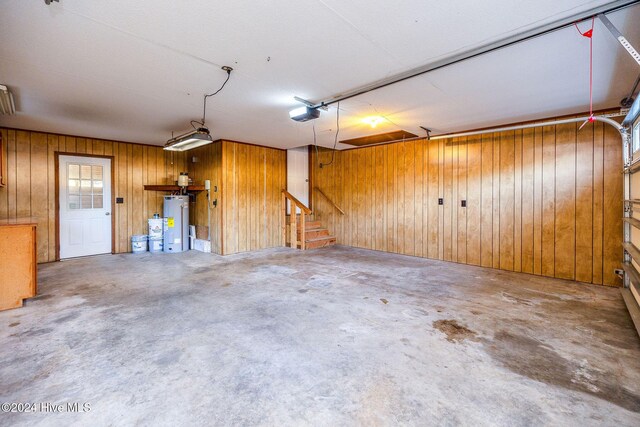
{"x": 293, "y": 223}
{"x": 297, "y": 202}
{"x": 330, "y": 201}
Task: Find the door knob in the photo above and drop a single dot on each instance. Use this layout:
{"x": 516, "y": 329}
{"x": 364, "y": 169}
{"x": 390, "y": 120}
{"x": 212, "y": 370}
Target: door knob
{"x": 107, "y": 213}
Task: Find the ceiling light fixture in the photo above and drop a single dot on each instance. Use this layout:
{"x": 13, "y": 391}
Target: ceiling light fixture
{"x": 189, "y": 140}
{"x": 373, "y": 121}
{"x": 201, "y": 135}
{"x": 7, "y": 106}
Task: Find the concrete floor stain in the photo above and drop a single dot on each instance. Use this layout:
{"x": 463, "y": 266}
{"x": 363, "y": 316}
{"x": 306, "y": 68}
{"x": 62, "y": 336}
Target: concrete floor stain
{"x": 540, "y": 362}
{"x": 454, "y": 331}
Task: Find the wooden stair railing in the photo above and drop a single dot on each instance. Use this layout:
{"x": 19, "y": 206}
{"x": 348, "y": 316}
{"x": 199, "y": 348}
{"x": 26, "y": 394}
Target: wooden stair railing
{"x": 329, "y": 200}
{"x": 295, "y": 203}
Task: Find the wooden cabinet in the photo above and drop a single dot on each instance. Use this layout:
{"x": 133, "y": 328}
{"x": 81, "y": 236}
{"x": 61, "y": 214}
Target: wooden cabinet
{"x": 18, "y": 279}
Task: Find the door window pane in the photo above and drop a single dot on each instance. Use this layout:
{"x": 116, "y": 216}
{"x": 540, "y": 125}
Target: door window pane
{"x": 85, "y": 171}
{"x": 86, "y": 202}
{"x": 96, "y": 173}
{"x": 74, "y": 201}
{"x": 74, "y": 186}
{"x": 74, "y": 171}
{"x": 85, "y": 186}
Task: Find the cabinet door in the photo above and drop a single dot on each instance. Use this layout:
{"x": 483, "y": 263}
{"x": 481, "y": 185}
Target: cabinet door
{"x": 17, "y": 254}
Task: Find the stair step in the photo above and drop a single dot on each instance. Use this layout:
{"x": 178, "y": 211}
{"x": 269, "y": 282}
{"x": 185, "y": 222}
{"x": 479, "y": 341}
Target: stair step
{"x": 314, "y": 233}
{"x": 320, "y": 242}
{"x": 310, "y": 225}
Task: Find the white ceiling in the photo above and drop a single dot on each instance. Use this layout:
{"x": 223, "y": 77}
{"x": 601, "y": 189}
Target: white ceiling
{"x": 136, "y": 71}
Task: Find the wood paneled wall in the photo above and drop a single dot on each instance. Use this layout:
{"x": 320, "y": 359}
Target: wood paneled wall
{"x": 30, "y": 189}
{"x": 252, "y": 180}
{"x": 208, "y": 166}
{"x": 544, "y": 201}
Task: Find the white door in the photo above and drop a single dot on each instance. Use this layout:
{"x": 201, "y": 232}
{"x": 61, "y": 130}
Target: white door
{"x": 85, "y": 206}
{"x": 298, "y": 174}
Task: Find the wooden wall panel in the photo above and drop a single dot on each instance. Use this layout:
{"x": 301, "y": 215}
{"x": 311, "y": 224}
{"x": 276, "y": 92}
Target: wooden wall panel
{"x": 527, "y": 200}
{"x": 474, "y": 200}
{"x": 507, "y": 201}
{"x": 548, "y": 200}
{"x": 208, "y": 166}
{"x": 486, "y": 195}
{"x": 244, "y": 196}
{"x": 565, "y": 201}
{"x": 517, "y": 193}
{"x": 584, "y": 203}
{"x": 30, "y": 189}
{"x": 545, "y": 201}
{"x": 612, "y": 220}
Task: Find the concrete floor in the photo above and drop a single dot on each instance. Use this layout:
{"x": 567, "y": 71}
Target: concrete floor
{"x": 335, "y": 336}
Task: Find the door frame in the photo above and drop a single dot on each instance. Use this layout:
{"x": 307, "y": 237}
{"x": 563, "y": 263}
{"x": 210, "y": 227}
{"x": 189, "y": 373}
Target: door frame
{"x": 57, "y": 155}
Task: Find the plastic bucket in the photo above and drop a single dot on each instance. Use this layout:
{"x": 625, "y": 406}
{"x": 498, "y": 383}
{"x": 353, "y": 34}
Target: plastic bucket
{"x": 155, "y": 244}
{"x": 155, "y": 228}
{"x": 139, "y": 243}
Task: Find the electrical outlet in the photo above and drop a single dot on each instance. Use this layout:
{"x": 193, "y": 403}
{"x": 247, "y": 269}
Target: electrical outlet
{"x": 441, "y": 201}
{"x": 119, "y": 199}
{"x": 463, "y": 203}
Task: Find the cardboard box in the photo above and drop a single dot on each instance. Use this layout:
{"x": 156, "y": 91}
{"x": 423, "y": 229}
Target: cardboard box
{"x": 202, "y": 232}
{"x": 202, "y": 245}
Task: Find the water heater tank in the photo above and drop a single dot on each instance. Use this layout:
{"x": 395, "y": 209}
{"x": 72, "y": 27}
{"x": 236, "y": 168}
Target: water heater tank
{"x": 176, "y": 224}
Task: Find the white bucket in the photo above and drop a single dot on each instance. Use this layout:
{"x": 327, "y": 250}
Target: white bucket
{"x": 155, "y": 228}
{"x": 155, "y": 244}
{"x": 139, "y": 243}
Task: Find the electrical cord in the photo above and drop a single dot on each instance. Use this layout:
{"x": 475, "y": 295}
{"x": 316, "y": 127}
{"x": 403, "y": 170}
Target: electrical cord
{"x": 335, "y": 141}
{"x": 204, "y": 102}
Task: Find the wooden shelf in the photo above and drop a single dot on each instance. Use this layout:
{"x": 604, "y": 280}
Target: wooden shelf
{"x": 190, "y": 188}
{"x": 634, "y": 201}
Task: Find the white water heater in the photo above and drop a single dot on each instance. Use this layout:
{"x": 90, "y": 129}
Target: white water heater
{"x": 176, "y": 224}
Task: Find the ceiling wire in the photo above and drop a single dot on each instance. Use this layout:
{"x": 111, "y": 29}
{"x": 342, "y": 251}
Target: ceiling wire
{"x": 315, "y": 142}
{"x": 204, "y": 103}
{"x": 335, "y": 141}
{"x": 207, "y": 96}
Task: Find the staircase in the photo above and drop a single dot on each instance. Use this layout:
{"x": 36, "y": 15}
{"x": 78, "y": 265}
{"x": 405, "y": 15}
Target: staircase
{"x": 315, "y": 236}
{"x": 309, "y": 234}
